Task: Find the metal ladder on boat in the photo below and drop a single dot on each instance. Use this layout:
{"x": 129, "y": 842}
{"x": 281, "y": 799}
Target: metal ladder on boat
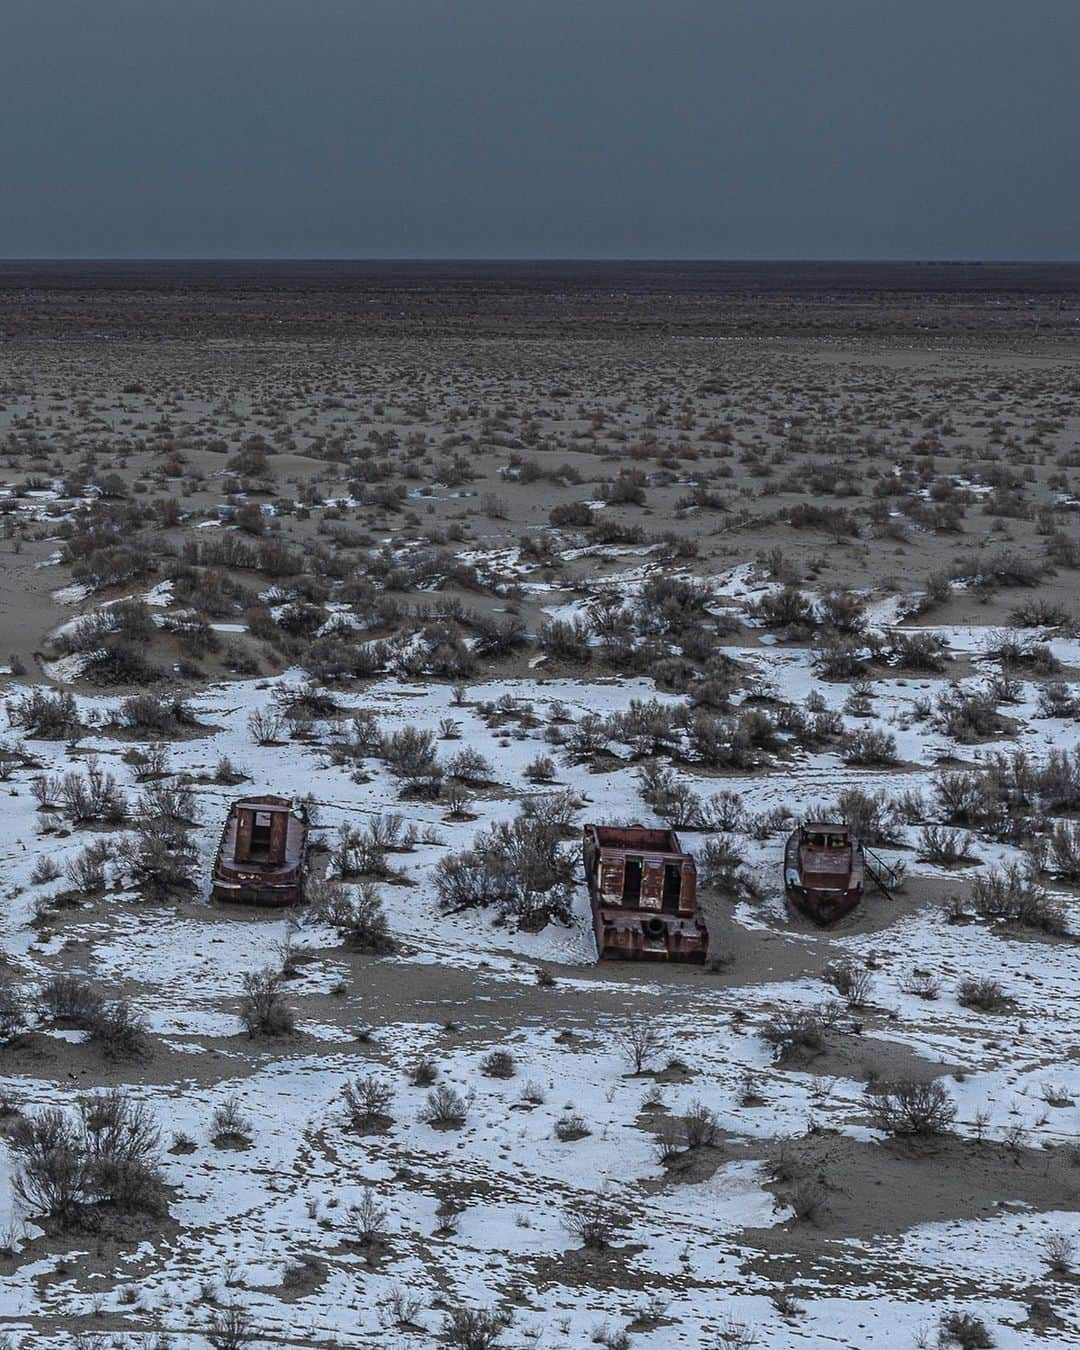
{"x": 879, "y": 871}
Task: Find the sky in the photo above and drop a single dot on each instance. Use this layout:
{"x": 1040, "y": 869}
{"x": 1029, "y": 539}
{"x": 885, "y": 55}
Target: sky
{"x": 540, "y": 128}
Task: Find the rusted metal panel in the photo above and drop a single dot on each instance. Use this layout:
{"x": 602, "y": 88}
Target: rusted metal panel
{"x": 245, "y": 824}
{"x": 279, "y": 826}
{"x": 643, "y": 888}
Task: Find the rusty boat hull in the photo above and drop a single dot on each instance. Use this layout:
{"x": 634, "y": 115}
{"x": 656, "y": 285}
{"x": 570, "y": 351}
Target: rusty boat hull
{"x": 262, "y": 856}
{"x": 643, "y": 892}
{"x": 823, "y": 872}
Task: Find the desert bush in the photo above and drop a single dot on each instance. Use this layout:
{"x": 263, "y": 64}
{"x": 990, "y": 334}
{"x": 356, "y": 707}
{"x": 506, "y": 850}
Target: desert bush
{"x": 47, "y": 716}
{"x": 171, "y": 802}
{"x": 367, "y": 1100}
{"x": 1060, "y": 1252}
{"x": 966, "y": 798}
{"x": 736, "y": 1335}
{"x": 495, "y": 638}
{"x": 639, "y": 1041}
{"x": 469, "y": 766}
{"x": 445, "y": 1108}
{"x": 473, "y": 1328}
{"x": 924, "y": 652}
{"x": 410, "y": 756}
{"x": 13, "y": 1013}
{"x": 700, "y": 1127}
{"x": 1058, "y": 700}
{"x": 570, "y": 1127}
{"x": 46, "y": 790}
{"x": 231, "y": 1328}
{"x": 423, "y": 1073}
{"x": 367, "y": 1217}
{"x": 869, "y": 746}
{"x": 566, "y": 640}
{"x": 982, "y": 993}
{"x": 122, "y": 1139}
{"x": 93, "y": 796}
{"x": 120, "y": 1032}
{"x": 360, "y": 920}
{"x": 499, "y": 1064}
{"x": 1040, "y": 613}
{"x": 46, "y": 869}
{"x": 155, "y": 715}
{"x": 228, "y": 1124}
{"x": 1010, "y": 893}
{"x": 263, "y": 1009}
{"x": 304, "y": 702}
{"x": 968, "y": 716}
{"x": 721, "y": 869}
{"x": 86, "y": 871}
{"x": 105, "y": 1155}
{"x": 68, "y": 1000}
{"x": 1058, "y": 851}
{"x": 910, "y": 1108}
{"x": 541, "y": 769}
{"x": 869, "y": 816}
{"x": 594, "y": 1226}
{"x": 785, "y": 607}
{"x": 844, "y": 611}
{"x": 794, "y": 1029}
{"x": 517, "y": 866}
{"x": 964, "y": 1330}
{"x": 923, "y": 984}
{"x": 573, "y": 515}
{"x": 52, "y": 1175}
{"x": 674, "y": 801}
{"x": 841, "y": 660}
{"x": 160, "y": 857}
{"x": 851, "y": 981}
{"x": 944, "y": 846}
{"x": 266, "y": 726}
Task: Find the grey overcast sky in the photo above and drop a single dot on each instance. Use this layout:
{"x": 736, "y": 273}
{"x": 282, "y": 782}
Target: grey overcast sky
{"x": 540, "y": 128}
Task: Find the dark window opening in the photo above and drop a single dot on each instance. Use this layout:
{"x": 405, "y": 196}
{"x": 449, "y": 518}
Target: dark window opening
{"x": 672, "y": 885}
{"x": 631, "y": 893}
{"x": 260, "y": 834}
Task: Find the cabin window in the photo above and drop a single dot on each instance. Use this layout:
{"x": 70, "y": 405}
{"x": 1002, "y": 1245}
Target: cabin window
{"x": 632, "y": 881}
{"x": 672, "y": 884}
{"x": 260, "y": 832}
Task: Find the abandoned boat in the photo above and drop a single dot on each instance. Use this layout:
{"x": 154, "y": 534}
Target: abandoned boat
{"x": 643, "y": 889}
{"x": 823, "y": 871}
{"x": 262, "y": 856}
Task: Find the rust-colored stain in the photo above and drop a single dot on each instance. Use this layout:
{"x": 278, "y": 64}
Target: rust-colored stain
{"x": 644, "y": 895}
{"x": 263, "y": 853}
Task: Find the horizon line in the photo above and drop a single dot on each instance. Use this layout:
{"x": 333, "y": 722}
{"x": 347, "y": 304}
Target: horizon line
{"x": 925, "y": 259}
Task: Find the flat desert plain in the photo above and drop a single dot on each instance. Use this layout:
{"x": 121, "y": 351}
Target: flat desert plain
{"x": 460, "y": 559}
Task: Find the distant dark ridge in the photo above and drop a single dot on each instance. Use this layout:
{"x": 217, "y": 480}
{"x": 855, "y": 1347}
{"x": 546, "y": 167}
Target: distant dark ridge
{"x": 796, "y": 279}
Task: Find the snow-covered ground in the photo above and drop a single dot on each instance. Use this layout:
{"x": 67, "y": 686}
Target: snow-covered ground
{"x": 682, "y": 1271}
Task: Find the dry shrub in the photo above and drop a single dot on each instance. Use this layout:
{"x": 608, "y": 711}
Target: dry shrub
{"x": 794, "y": 1029}
{"x": 910, "y": 1108}
{"x": 263, "y": 1010}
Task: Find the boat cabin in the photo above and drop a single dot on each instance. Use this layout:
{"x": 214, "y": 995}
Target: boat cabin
{"x": 640, "y": 868}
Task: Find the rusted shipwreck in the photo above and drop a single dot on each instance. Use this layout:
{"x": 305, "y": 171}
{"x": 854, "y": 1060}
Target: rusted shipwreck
{"x": 643, "y": 888}
{"x": 824, "y": 867}
{"x": 262, "y": 857}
